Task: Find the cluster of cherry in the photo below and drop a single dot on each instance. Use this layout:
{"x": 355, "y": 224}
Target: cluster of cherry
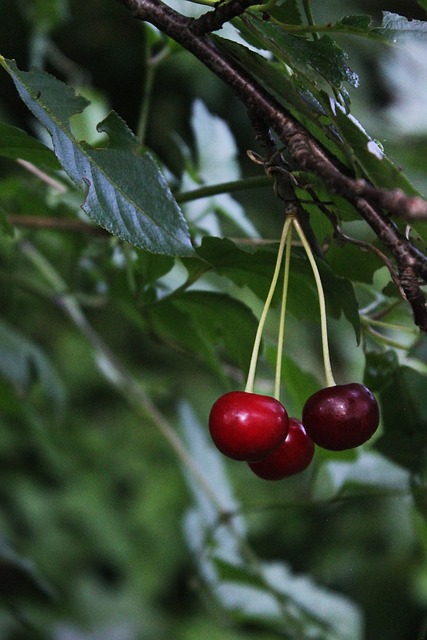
{"x": 256, "y": 428}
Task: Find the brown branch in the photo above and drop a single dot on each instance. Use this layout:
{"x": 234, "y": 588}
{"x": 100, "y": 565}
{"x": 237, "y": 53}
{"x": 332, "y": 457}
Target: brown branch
{"x": 302, "y": 147}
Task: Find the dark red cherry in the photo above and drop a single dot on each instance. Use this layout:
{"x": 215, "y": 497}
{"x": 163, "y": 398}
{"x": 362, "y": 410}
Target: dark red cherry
{"x": 247, "y": 426}
{"x": 292, "y": 456}
{"x": 341, "y": 417}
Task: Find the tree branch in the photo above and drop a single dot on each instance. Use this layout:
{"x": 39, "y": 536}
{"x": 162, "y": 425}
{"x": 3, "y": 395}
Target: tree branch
{"x": 302, "y": 147}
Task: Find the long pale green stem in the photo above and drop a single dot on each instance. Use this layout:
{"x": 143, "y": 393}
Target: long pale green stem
{"x": 322, "y": 304}
{"x": 281, "y": 335}
{"x": 252, "y": 367}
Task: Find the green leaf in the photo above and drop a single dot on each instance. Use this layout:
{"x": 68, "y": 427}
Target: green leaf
{"x": 371, "y": 158}
{"x": 323, "y": 56}
{"x": 340, "y": 296}
{"x": 352, "y": 262}
{"x": 125, "y": 193}
{"x": 243, "y": 267}
{"x": 287, "y": 12}
{"x": 175, "y": 326}
{"x": 404, "y": 420}
{"x": 224, "y": 320}
{"x": 16, "y": 143}
{"x": 211, "y": 326}
{"x": 359, "y": 22}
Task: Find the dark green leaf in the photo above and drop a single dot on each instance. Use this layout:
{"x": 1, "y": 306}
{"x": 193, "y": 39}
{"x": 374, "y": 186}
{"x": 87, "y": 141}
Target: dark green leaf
{"x": 340, "y": 296}
{"x": 15, "y": 143}
{"x": 244, "y": 268}
{"x": 175, "y": 326}
{"x": 404, "y": 419}
{"x": 198, "y": 322}
{"x": 287, "y": 12}
{"x": 352, "y": 262}
{"x": 323, "y": 56}
{"x": 125, "y": 194}
{"x": 361, "y": 22}
{"x": 371, "y": 158}
{"x": 222, "y": 320}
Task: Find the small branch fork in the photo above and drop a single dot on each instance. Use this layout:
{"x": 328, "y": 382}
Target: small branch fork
{"x": 306, "y": 152}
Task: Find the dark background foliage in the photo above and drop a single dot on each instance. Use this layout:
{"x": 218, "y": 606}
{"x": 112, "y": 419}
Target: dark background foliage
{"x": 98, "y": 537}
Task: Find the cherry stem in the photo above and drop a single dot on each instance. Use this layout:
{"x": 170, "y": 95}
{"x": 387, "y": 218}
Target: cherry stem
{"x": 255, "y": 351}
{"x": 322, "y": 304}
{"x": 283, "y": 315}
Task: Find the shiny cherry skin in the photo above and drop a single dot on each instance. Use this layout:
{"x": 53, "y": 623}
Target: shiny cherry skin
{"x": 247, "y": 426}
{"x": 291, "y": 457}
{"x": 341, "y": 417}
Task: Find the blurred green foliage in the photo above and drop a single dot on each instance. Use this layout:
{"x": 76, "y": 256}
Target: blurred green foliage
{"x": 104, "y": 533}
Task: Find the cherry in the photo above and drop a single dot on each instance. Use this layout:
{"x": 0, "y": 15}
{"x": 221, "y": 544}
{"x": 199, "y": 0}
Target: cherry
{"x": 292, "y": 456}
{"x": 247, "y": 426}
{"x": 341, "y": 417}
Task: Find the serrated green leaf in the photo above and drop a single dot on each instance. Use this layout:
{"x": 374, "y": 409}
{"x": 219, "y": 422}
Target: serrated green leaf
{"x": 16, "y": 143}
{"x": 125, "y": 194}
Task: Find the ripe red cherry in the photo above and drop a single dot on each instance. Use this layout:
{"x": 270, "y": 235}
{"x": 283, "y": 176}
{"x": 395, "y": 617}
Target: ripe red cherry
{"x": 247, "y": 426}
{"x": 292, "y": 456}
{"x": 341, "y": 417}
